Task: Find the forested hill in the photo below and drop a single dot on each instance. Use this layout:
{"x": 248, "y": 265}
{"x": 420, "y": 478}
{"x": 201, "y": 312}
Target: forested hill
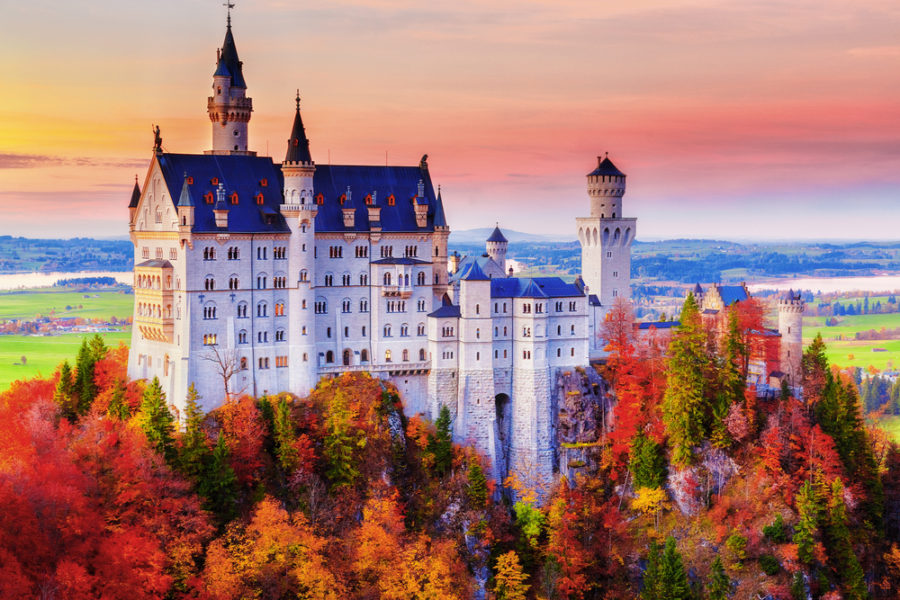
{"x": 693, "y": 488}
{"x": 690, "y": 261}
{"x": 27, "y": 255}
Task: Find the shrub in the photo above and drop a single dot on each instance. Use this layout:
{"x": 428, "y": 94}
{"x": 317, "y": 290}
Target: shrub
{"x": 769, "y": 564}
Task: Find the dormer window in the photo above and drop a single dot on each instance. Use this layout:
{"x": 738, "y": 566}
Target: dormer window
{"x": 259, "y": 199}
{"x": 209, "y": 198}
{"x": 369, "y": 200}
{"x": 190, "y": 181}
{"x": 214, "y": 181}
{"x": 391, "y": 200}
{"x": 343, "y": 199}
{"x": 320, "y": 199}
{"x": 264, "y": 182}
{"x": 234, "y": 198}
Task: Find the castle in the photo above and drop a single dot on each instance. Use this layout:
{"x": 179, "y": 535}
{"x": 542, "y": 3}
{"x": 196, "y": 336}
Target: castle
{"x": 259, "y": 277}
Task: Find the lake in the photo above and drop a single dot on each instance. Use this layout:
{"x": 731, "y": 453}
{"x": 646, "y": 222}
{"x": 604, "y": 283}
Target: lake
{"x": 875, "y": 283}
{"x": 19, "y": 281}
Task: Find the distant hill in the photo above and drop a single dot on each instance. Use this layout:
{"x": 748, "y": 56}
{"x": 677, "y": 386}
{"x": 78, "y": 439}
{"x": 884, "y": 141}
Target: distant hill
{"x": 478, "y": 236}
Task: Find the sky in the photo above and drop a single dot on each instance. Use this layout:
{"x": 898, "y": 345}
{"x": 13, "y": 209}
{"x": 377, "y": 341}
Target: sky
{"x": 733, "y": 119}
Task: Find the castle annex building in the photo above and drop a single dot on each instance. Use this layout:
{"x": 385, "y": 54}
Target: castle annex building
{"x": 254, "y": 276}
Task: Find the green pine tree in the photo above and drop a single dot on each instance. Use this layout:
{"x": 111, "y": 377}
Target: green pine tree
{"x": 64, "y": 394}
{"x": 731, "y": 380}
{"x": 156, "y": 421}
{"x": 440, "y": 444}
{"x": 684, "y": 400}
{"x": 218, "y": 483}
{"x": 651, "y": 583}
{"x": 672, "y": 576}
{"x": 193, "y": 452}
{"x": 807, "y": 502}
{"x": 285, "y": 436}
{"x": 647, "y": 462}
{"x": 118, "y": 407}
{"x": 477, "y": 490}
{"x": 840, "y": 547}
{"x": 90, "y": 352}
{"x": 341, "y": 442}
{"x": 719, "y": 585}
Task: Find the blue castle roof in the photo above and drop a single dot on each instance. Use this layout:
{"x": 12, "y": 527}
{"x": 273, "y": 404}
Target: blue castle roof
{"x": 533, "y": 287}
{"x": 245, "y": 175}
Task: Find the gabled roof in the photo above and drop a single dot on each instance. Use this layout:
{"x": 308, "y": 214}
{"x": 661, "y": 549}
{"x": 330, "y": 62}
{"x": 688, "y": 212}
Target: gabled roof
{"x": 533, "y": 287}
{"x": 156, "y": 264}
{"x": 474, "y": 273}
{"x": 605, "y": 167}
{"x": 229, "y": 64}
{"x": 447, "y": 309}
{"x": 732, "y": 293}
{"x": 135, "y": 195}
{"x": 403, "y": 260}
{"x": 242, "y": 174}
{"x": 382, "y": 182}
{"x": 298, "y": 144}
{"x": 497, "y": 236}
{"x": 658, "y": 324}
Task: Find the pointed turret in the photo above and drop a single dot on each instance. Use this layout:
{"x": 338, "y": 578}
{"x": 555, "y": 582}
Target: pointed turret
{"x": 228, "y": 60}
{"x": 229, "y": 109}
{"x": 135, "y": 194}
{"x": 496, "y": 247}
{"x": 186, "y": 207}
{"x": 298, "y": 144}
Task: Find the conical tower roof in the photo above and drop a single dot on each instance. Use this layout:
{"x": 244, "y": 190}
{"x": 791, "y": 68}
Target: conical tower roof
{"x": 298, "y": 144}
{"x": 497, "y": 236}
{"x": 135, "y": 194}
{"x": 605, "y": 167}
{"x": 229, "y": 63}
{"x": 185, "y": 198}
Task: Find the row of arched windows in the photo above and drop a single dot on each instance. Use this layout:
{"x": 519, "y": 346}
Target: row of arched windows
{"x": 154, "y": 311}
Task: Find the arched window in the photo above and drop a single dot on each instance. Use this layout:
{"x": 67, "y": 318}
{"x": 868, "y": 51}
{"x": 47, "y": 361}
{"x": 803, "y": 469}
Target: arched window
{"x": 243, "y": 363}
{"x": 279, "y": 309}
{"x": 262, "y": 309}
{"x": 304, "y": 275}
{"x": 405, "y": 355}
{"x": 387, "y": 331}
{"x": 242, "y": 310}
{"x": 329, "y": 357}
{"x": 387, "y": 356}
{"x": 364, "y": 355}
{"x": 420, "y": 278}
{"x": 421, "y": 354}
{"x": 210, "y": 283}
{"x": 387, "y": 279}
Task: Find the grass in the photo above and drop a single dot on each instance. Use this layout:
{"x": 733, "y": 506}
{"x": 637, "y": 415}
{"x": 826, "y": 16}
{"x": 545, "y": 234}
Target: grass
{"x": 44, "y": 353}
{"x": 30, "y": 304}
{"x": 844, "y": 350}
{"x": 891, "y": 426}
{"x": 848, "y": 326}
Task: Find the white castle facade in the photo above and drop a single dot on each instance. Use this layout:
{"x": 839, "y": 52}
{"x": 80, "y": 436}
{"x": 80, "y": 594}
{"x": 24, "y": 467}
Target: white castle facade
{"x": 268, "y": 276}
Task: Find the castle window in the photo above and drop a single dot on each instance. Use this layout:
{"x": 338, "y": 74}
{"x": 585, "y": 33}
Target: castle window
{"x": 478, "y": 356}
{"x": 615, "y": 293}
{"x": 242, "y": 310}
{"x": 420, "y": 278}
{"x": 209, "y": 312}
{"x": 329, "y": 357}
{"x": 345, "y": 279}
{"x": 345, "y": 305}
{"x": 261, "y": 282}
{"x": 571, "y": 351}
{"x": 209, "y": 198}
{"x": 234, "y": 198}
{"x": 559, "y": 330}
{"x": 558, "y": 352}
{"x": 363, "y": 306}
{"x": 159, "y": 253}
{"x": 504, "y": 354}
{"x": 420, "y": 329}
{"x": 615, "y": 273}
{"x": 242, "y": 336}
{"x": 303, "y": 304}
{"x": 526, "y": 332}
{"x": 504, "y": 307}
{"x": 526, "y": 354}
{"x": 329, "y": 280}
{"x": 526, "y": 308}
{"x": 214, "y": 181}
{"x": 304, "y": 275}
{"x": 232, "y": 283}
{"x": 346, "y": 332}
{"x": 362, "y": 251}
{"x": 259, "y": 199}
{"x": 233, "y": 253}
{"x": 305, "y": 357}
{"x": 421, "y": 354}
{"x": 573, "y": 306}
{"x": 369, "y": 200}
{"x": 262, "y": 309}
{"x": 404, "y": 330}
{"x": 145, "y": 253}
{"x": 159, "y": 215}
{"x": 209, "y": 253}
{"x": 387, "y": 279}
{"x": 387, "y": 356}
{"x": 209, "y": 283}
{"x": 281, "y": 361}
{"x": 320, "y": 199}
{"x": 387, "y": 331}
{"x": 364, "y": 331}
{"x": 405, "y": 355}
{"x": 279, "y": 309}
{"x": 335, "y": 252}
{"x": 263, "y": 182}
{"x": 391, "y": 200}
{"x": 279, "y": 282}
{"x": 364, "y": 355}
{"x": 609, "y": 255}
{"x": 477, "y": 309}
{"x": 321, "y": 307}
{"x": 262, "y": 336}
{"x": 420, "y": 305}
{"x": 279, "y": 253}
{"x": 477, "y": 334}
{"x": 243, "y": 363}
{"x": 209, "y": 339}
{"x": 328, "y": 332}
{"x": 363, "y": 279}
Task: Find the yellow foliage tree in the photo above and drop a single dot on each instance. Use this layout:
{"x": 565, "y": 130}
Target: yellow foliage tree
{"x": 509, "y": 582}
{"x": 650, "y": 501}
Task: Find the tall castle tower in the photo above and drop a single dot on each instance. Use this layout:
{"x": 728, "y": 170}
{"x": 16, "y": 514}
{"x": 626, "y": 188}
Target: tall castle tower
{"x": 606, "y": 235}
{"x": 790, "y": 326}
{"x": 229, "y": 107}
{"x": 496, "y": 247}
{"x": 299, "y": 209}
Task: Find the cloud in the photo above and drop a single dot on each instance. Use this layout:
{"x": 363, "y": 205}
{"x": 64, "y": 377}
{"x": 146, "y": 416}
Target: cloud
{"x": 10, "y": 160}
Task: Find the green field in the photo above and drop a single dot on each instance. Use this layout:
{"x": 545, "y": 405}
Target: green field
{"x": 30, "y": 304}
{"x": 891, "y": 425}
{"x": 43, "y": 353}
{"x": 844, "y": 350}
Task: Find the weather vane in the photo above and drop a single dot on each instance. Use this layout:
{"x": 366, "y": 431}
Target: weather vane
{"x": 229, "y": 5}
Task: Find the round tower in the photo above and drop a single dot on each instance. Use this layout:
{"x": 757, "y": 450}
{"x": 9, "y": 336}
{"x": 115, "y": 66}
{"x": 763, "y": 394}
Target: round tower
{"x": 229, "y": 107}
{"x": 496, "y": 246}
{"x": 606, "y": 186}
{"x": 790, "y": 326}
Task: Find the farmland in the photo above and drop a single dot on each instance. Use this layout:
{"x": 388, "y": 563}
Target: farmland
{"x": 845, "y": 350}
{"x": 44, "y": 302}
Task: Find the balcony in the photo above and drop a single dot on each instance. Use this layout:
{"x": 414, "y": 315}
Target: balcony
{"x": 396, "y": 291}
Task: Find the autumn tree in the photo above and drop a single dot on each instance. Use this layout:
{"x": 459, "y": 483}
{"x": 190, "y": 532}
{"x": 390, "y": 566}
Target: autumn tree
{"x": 683, "y": 403}
{"x": 509, "y": 579}
{"x": 342, "y": 439}
{"x": 285, "y": 436}
{"x": 156, "y": 421}
{"x": 805, "y": 531}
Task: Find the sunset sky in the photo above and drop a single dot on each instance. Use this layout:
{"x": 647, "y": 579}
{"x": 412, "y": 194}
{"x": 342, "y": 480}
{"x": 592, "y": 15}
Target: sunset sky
{"x": 733, "y": 119}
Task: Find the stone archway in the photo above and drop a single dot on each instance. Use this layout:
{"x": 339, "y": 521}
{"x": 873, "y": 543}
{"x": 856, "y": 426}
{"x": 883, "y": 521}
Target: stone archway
{"x": 348, "y": 355}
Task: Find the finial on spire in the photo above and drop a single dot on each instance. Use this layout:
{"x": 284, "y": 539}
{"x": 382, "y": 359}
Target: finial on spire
{"x": 298, "y": 99}
{"x": 229, "y": 5}
{"x": 135, "y": 179}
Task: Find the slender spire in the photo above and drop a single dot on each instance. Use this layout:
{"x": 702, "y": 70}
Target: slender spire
{"x": 135, "y": 194}
{"x": 228, "y": 61}
{"x": 298, "y": 144}
{"x": 185, "y": 198}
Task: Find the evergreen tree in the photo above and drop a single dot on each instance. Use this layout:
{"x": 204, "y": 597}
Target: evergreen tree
{"x": 672, "y": 577}
{"x": 64, "y": 394}
{"x": 440, "y": 444}
{"x": 285, "y": 436}
{"x": 341, "y": 441}
{"x": 156, "y": 421}
{"x": 683, "y": 403}
{"x": 194, "y": 452}
{"x": 719, "y": 585}
{"x": 651, "y": 583}
{"x": 86, "y": 390}
{"x": 118, "y": 407}
{"x": 477, "y": 490}
{"x": 219, "y": 483}
{"x": 805, "y": 531}
{"x": 647, "y": 462}
{"x": 840, "y": 548}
